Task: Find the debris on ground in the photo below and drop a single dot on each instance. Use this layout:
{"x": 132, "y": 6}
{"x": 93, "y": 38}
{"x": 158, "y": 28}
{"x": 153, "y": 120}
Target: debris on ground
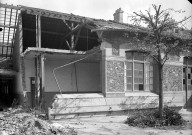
{"x": 19, "y": 121}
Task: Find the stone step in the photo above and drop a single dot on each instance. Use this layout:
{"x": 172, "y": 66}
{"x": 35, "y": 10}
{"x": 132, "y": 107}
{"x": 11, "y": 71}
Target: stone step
{"x": 94, "y": 109}
{"x": 94, "y": 103}
{"x": 101, "y": 101}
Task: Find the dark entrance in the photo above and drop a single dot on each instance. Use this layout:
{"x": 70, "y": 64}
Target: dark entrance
{"x": 7, "y": 94}
{"x": 187, "y": 81}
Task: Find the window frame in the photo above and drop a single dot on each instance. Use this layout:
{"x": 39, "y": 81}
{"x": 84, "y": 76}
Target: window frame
{"x": 144, "y": 62}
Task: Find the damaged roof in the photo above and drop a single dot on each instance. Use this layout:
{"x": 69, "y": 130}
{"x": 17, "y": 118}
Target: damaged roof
{"x": 97, "y": 24}
{"x": 9, "y": 22}
{"x": 100, "y": 24}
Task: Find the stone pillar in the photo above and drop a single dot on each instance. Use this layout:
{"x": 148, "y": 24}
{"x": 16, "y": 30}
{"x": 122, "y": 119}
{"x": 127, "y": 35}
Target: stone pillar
{"x": 112, "y": 69}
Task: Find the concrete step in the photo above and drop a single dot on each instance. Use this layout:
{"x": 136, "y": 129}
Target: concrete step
{"x": 75, "y": 104}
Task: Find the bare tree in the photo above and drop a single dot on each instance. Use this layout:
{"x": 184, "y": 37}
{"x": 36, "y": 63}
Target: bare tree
{"x": 160, "y": 39}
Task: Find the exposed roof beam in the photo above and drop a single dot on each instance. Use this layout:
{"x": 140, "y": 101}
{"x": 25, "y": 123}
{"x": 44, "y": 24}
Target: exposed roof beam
{"x": 86, "y": 37}
{"x": 3, "y": 45}
{"x": 56, "y": 33}
{"x": 52, "y": 14}
{"x": 7, "y": 26}
{"x": 74, "y": 30}
{"x": 66, "y": 24}
{"x": 44, "y": 31}
{"x": 6, "y": 55}
{"x": 77, "y": 38}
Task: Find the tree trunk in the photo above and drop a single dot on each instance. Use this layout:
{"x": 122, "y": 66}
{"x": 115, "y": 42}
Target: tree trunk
{"x": 160, "y": 90}
{"x": 160, "y": 69}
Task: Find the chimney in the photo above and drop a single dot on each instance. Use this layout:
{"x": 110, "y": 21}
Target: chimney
{"x": 118, "y": 15}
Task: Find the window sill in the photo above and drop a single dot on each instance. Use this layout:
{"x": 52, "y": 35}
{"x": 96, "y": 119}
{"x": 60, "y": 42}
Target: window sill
{"x": 142, "y": 93}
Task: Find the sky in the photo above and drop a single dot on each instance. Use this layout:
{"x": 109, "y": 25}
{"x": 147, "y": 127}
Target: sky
{"x": 104, "y": 9}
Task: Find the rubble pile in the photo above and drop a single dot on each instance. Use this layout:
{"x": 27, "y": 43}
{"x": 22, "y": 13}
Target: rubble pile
{"x": 19, "y": 122}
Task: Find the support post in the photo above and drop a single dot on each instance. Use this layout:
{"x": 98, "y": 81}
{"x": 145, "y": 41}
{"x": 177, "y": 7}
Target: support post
{"x": 186, "y": 81}
{"x": 39, "y": 64}
{"x": 42, "y": 102}
{"x": 72, "y": 37}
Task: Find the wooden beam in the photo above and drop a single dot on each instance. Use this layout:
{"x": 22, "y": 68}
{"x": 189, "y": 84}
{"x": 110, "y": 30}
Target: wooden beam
{"x": 7, "y": 26}
{"x": 68, "y": 44}
{"x": 5, "y": 45}
{"x": 56, "y": 33}
{"x": 72, "y": 37}
{"x": 74, "y": 30}
{"x": 44, "y": 31}
{"x": 37, "y": 81}
{"x": 66, "y": 24}
{"x": 52, "y": 14}
{"x": 38, "y": 63}
{"x": 77, "y": 37}
{"x": 39, "y": 30}
{"x": 9, "y": 31}
{"x": 42, "y": 71}
{"x": 4, "y": 24}
{"x": 4, "y": 55}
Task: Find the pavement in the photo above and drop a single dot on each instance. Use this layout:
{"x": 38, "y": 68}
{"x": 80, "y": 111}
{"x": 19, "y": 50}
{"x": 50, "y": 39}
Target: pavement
{"x": 114, "y": 125}
{"x": 186, "y": 114}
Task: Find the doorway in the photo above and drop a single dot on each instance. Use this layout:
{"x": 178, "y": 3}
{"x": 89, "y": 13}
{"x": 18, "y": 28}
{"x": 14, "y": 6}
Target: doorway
{"x": 187, "y": 81}
{"x": 7, "y": 94}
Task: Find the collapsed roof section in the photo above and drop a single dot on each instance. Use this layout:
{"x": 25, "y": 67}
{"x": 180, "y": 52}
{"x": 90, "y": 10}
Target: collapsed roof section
{"x": 66, "y": 31}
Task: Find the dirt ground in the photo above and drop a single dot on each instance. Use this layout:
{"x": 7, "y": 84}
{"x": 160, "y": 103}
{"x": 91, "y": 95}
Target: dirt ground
{"x": 114, "y": 125}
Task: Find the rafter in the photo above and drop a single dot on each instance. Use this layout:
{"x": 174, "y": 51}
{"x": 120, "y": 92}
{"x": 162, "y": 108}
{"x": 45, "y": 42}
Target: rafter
{"x": 74, "y": 30}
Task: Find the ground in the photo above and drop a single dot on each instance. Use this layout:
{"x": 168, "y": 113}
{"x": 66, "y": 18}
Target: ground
{"x": 114, "y": 125}
{"x": 13, "y": 119}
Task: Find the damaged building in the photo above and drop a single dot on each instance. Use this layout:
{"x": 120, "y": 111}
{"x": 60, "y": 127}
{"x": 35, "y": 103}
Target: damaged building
{"x": 69, "y": 64}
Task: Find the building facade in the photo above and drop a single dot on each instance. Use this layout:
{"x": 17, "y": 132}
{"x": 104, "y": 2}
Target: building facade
{"x": 70, "y": 64}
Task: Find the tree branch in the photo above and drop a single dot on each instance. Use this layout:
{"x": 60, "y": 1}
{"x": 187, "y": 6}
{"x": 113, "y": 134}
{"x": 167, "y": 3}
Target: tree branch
{"x": 171, "y": 24}
{"x": 170, "y": 49}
